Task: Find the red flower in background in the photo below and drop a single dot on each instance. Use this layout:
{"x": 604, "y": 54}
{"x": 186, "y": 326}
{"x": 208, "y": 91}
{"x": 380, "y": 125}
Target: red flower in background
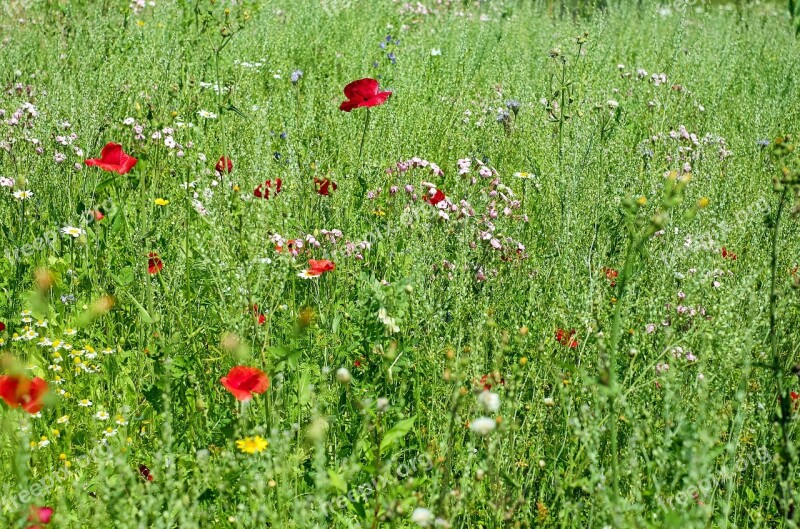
{"x": 145, "y": 473}
{"x": 435, "y": 198}
{"x": 487, "y": 381}
{"x": 291, "y": 247}
{"x": 154, "y": 263}
{"x": 728, "y": 255}
{"x": 320, "y": 266}
{"x": 244, "y": 381}
{"x": 112, "y": 158}
{"x": 2, "y": 326}
{"x": 324, "y": 186}
{"x": 224, "y": 165}
{"x": 363, "y": 93}
{"x": 20, "y": 391}
{"x": 567, "y": 338}
{"x": 611, "y": 275}
{"x": 262, "y": 190}
{"x": 795, "y": 398}
{"x": 39, "y": 515}
{"x": 259, "y": 316}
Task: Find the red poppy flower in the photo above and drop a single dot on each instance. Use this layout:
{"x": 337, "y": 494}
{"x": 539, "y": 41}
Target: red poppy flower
{"x": 611, "y": 275}
{"x": 98, "y": 215}
{"x": 112, "y": 158}
{"x": 363, "y": 93}
{"x": 145, "y": 473}
{"x": 154, "y": 263}
{"x": 728, "y": 255}
{"x": 795, "y": 398}
{"x": 567, "y": 338}
{"x": 324, "y": 186}
{"x": 259, "y": 316}
{"x": 434, "y": 199}
{"x": 21, "y": 392}
{"x": 244, "y": 381}
{"x": 262, "y": 190}
{"x": 40, "y": 514}
{"x": 2, "y": 326}
{"x": 224, "y": 165}
{"x": 318, "y": 267}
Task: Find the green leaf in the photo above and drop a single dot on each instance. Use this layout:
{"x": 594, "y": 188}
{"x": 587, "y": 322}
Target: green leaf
{"x": 397, "y": 432}
{"x": 337, "y": 481}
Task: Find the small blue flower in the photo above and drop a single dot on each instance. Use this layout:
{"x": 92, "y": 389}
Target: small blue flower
{"x": 296, "y": 75}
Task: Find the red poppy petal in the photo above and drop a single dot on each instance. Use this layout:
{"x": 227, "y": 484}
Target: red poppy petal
{"x": 8, "y": 390}
{"x": 347, "y": 106}
{"x": 40, "y": 514}
{"x": 362, "y": 88}
{"x": 378, "y": 99}
{"x": 112, "y": 153}
{"x": 240, "y": 394}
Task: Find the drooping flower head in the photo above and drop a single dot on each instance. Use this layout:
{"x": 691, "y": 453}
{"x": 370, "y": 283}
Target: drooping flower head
{"x": 243, "y": 382}
{"x": 20, "y": 391}
{"x": 112, "y": 158}
{"x": 363, "y": 93}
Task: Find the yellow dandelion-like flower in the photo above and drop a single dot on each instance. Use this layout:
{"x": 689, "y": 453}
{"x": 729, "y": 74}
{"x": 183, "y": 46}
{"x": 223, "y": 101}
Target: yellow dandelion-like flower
{"x": 641, "y": 201}
{"x": 161, "y": 202}
{"x": 703, "y": 202}
{"x": 251, "y": 445}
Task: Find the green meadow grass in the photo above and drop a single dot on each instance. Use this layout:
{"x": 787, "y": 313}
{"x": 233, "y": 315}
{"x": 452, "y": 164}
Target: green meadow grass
{"x": 661, "y": 410}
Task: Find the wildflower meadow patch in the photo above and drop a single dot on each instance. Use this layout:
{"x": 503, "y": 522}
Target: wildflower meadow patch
{"x": 388, "y": 264}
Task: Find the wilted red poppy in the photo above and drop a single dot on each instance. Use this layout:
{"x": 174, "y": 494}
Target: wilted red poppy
{"x": 611, "y": 275}
{"x": 434, "y": 199}
{"x": 154, "y": 263}
{"x": 567, "y": 338}
{"x": 224, "y": 165}
{"x": 324, "y": 186}
{"x": 113, "y": 159}
{"x": 262, "y": 190}
{"x": 320, "y": 266}
{"x": 21, "y": 392}
{"x": 795, "y": 398}
{"x": 363, "y": 93}
{"x": 145, "y": 473}
{"x": 244, "y": 381}
{"x": 728, "y": 255}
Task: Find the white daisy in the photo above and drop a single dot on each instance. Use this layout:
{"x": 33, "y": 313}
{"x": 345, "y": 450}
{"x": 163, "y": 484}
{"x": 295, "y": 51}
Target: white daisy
{"x": 23, "y": 194}
{"x": 72, "y": 231}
